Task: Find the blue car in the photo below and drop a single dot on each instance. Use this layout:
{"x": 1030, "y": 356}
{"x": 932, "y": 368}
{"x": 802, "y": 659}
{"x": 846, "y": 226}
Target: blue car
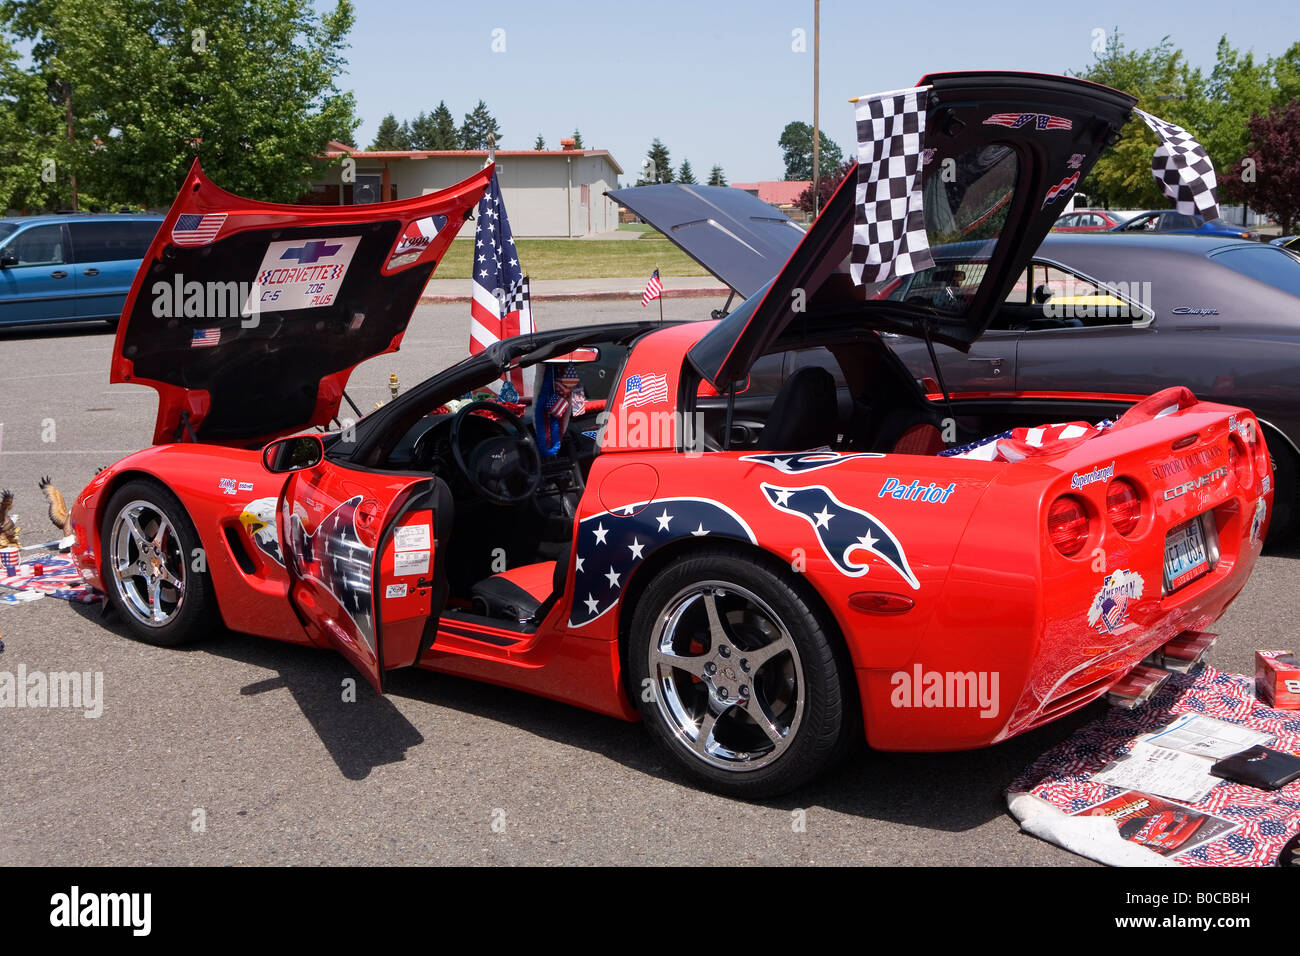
{"x": 1167, "y": 220}
{"x": 70, "y": 268}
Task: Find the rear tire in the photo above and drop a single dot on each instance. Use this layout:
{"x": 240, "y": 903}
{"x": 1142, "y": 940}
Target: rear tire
{"x": 148, "y": 544}
{"x": 1285, "y": 491}
{"x": 749, "y": 691}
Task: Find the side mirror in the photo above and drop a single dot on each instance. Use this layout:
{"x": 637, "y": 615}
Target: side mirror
{"x": 8, "y": 259}
{"x": 295, "y": 453}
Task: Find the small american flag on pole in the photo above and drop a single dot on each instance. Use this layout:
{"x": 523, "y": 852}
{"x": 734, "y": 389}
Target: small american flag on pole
{"x": 195, "y": 230}
{"x": 653, "y": 289}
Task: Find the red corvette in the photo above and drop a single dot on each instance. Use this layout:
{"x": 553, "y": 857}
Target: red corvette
{"x": 763, "y": 572}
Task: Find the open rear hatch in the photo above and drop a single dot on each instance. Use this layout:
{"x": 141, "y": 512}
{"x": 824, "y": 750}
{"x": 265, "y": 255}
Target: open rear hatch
{"x": 248, "y": 317}
{"x": 740, "y": 239}
{"x": 1001, "y": 154}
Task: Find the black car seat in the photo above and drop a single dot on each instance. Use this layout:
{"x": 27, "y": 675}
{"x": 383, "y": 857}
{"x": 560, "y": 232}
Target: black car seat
{"x": 804, "y": 414}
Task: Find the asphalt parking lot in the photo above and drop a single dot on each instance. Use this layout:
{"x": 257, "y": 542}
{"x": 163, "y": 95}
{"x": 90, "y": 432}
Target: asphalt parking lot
{"x": 251, "y": 738}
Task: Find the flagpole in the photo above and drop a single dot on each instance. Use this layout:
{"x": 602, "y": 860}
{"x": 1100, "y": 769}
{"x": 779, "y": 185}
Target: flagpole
{"x": 661, "y": 296}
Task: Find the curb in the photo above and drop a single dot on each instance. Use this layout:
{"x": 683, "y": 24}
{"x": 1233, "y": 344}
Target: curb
{"x": 608, "y": 295}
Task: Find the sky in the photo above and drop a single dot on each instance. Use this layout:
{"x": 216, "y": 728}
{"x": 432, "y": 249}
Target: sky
{"x": 718, "y": 81}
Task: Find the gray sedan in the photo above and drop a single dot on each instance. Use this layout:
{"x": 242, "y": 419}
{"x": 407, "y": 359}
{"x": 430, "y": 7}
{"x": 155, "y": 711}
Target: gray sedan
{"x": 1098, "y": 320}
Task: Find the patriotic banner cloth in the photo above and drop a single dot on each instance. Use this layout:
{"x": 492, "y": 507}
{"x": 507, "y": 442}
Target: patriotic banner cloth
{"x": 500, "y": 307}
{"x": 889, "y": 224}
{"x": 1016, "y": 444}
{"x": 653, "y": 289}
{"x": 1182, "y": 168}
{"x": 1233, "y": 825}
{"x": 59, "y": 578}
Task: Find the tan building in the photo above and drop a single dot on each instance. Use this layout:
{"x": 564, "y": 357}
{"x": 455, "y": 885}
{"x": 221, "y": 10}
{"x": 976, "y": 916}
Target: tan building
{"x": 554, "y": 192}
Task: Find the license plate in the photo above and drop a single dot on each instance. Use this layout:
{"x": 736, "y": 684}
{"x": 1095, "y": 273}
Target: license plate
{"x": 1186, "y": 557}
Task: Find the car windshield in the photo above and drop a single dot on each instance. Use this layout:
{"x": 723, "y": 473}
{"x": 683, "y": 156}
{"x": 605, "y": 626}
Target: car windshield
{"x": 1263, "y": 263}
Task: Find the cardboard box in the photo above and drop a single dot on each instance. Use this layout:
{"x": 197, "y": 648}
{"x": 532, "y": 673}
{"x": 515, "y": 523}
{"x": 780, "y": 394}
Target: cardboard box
{"x": 1277, "y": 679}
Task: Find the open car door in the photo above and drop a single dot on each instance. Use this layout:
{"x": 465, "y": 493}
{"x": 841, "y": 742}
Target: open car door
{"x": 362, "y": 555}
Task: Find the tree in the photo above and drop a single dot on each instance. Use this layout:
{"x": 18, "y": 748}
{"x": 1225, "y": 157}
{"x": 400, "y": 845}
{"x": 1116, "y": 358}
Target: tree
{"x": 249, "y": 86}
{"x": 445, "y": 135}
{"x": 796, "y": 144}
{"x": 387, "y": 136}
{"x": 1273, "y": 186}
{"x": 716, "y": 178}
{"x": 478, "y": 126}
{"x": 29, "y": 131}
{"x": 1164, "y": 86}
{"x": 826, "y": 186}
{"x": 686, "y": 174}
{"x": 657, "y": 167}
{"x": 540, "y": 143}
{"x": 577, "y": 139}
{"x": 423, "y": 132}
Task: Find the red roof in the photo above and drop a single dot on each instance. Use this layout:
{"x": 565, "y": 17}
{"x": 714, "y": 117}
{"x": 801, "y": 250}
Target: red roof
{"x": 342, "y": 149}
{"x": 781, "y": 192}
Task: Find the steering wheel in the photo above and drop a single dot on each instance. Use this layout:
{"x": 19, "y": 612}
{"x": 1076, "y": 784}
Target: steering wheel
{"x": 506, "y": 468}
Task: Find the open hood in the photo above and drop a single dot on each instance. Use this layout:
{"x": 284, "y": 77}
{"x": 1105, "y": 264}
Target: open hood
{"x": 1002, "y": 153}
{"x": 248, "y": 317}
{"x": 739, "y": 238}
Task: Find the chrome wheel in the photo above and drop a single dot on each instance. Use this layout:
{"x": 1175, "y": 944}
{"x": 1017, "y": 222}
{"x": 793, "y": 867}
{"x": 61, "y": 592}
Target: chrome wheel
{"x": 147, "y": 563}
{"x": 727, "y": 676}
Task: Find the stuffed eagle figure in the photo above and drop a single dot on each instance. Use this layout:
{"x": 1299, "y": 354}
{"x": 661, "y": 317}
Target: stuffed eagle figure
{"x": 58, "y": 510}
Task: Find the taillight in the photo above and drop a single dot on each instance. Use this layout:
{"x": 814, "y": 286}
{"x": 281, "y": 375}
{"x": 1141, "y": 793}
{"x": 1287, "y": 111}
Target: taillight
{"x": 1067, "y": 525}
{"x": 1242, "y": 461}
{"x": 1123, "y": 506}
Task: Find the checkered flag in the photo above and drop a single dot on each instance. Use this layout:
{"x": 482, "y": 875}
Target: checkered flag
{"x": 889, "y": 224}
{"x": 517, "y": 300}
{"x": 1182, "y": 169}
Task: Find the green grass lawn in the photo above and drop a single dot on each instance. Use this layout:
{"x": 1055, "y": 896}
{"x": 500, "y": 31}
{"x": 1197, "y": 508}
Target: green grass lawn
{"x": 582, "y": 259}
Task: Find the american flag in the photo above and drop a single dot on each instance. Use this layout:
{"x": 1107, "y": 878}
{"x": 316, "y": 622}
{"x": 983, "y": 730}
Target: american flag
{"x": 205, "y": 338}
{"x": 500, "y": 307}
{"x": 1037, "y": 120}
{"x": 653, "y": 289}
{"x": 192, "y": 229}
{"x": 645, "y": 389}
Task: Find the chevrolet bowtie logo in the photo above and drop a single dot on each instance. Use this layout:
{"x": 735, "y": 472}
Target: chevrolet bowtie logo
{"x": 312, "y": 251}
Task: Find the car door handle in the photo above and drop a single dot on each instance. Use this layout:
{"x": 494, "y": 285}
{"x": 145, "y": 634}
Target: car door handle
{"x": 997, "y": 360}
{"x": 91, "y": 272}
{"x": 58, "y": 274}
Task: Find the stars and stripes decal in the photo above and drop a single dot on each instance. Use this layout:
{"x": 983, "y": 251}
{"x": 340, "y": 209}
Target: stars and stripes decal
{"x": 1183, "y": 169}
{"x": 807, "y": 461}
{"x": 842, "y": 530}
{"x": 334, "y": 556}
{"x": 1032, "y": 120}
{"x": 205, "y": 338}
{"x": 415, "y": 239}
{"x": 1060, "y": 189}
{"x": 612, "y": 544}
{"x": 645, "y": 389}
{"x": 192, "y": 229}
{"x": 889, "y": 237}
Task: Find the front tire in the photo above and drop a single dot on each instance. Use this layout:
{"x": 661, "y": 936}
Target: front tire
{"x": 737, "y": 676}
{"x": 147, "y": 544}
